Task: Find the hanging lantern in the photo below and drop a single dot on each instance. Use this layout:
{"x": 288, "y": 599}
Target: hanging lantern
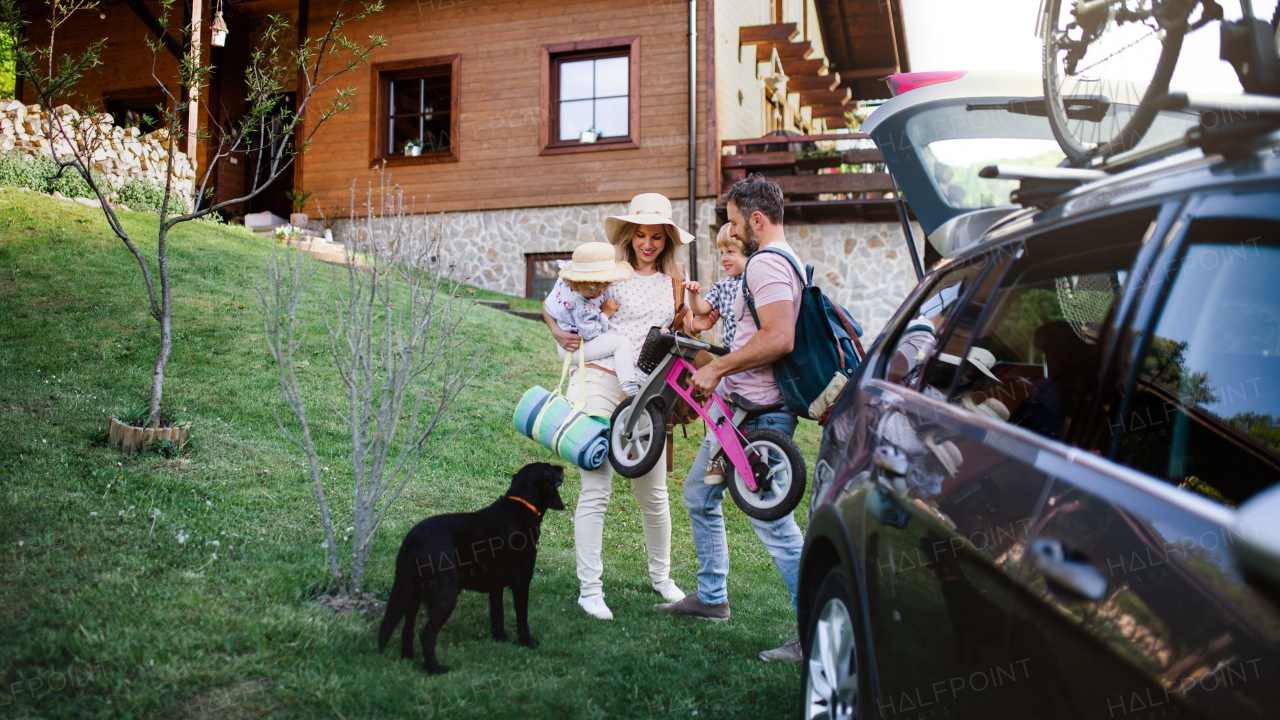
{"x": 218, "y": 30}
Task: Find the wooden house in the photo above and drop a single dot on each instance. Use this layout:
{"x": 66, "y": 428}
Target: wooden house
{"x": 534, "y": 119}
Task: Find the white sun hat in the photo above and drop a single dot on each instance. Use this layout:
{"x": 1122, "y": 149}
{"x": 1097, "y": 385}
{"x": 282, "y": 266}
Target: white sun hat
{"x": 980, "y": 358}
{"x": 648, "y": 209}
{"x": 594, "y": 262}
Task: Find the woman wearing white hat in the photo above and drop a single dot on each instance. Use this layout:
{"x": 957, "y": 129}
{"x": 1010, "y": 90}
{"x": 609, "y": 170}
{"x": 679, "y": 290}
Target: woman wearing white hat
{"x": 646, "y": 238}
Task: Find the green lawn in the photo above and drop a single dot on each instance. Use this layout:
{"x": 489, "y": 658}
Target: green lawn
{"x": 103, "y": 613}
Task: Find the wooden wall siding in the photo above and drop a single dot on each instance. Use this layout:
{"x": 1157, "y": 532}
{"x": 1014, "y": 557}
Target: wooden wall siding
{"x": 127, "y": 61}
{"x": 499, "y": 164}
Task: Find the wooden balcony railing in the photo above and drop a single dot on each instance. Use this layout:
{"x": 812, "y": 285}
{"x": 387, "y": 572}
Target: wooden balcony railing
{"x": 801, "y": 174}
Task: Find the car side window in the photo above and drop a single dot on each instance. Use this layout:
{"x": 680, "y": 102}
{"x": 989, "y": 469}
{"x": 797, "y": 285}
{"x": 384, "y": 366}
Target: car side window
{"x": 1033, "y": 362}
{"x": 1203, "y": 405}
{"x": 930, "y": 320}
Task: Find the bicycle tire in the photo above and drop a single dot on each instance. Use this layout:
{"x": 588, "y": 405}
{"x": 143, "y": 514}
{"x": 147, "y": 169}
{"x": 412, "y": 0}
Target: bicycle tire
{"x": 653, "y": 425}
{"x": 771, "y": 505}
{"x": 1078, "y": 149}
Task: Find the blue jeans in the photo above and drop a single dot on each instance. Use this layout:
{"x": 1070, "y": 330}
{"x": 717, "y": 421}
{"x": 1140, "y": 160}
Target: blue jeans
{"x": 781, "y": 537}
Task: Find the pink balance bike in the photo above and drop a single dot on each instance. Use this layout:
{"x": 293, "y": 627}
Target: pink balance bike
{"x": 768, "y": 472}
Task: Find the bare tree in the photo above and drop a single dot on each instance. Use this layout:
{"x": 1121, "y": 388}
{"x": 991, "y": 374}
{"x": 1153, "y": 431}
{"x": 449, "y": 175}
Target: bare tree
{"x": 394, "y": 320}
{"x": 268, "y": 125}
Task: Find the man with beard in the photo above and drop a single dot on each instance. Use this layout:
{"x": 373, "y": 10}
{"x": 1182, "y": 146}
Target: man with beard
{"x": 755, "y": 215}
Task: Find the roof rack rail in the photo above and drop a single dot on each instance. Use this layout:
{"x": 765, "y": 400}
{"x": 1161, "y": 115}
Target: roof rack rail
{"x": 1229, "y": 124}
{"x": 1039, "y": 185}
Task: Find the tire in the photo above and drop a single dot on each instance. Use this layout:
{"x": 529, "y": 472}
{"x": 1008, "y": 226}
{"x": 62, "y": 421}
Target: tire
{"x": 1082, "y": 140}
{"x": 787, "y": 485}
{"x": 637, "y": 457}
{"x": 833, "y": 678}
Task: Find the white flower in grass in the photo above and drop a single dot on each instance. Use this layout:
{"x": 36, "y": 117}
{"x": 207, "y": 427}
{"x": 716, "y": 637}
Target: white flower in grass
{"x": 215, "y": 556}
{"x": 93, "y": 514}
{"x": 214, "y": 543}
{"x": 21, "y": 543}
{"x": 350, "y": 529}
{"x": 182, "y": 539}
{"x": 155, "y": 512}
{"x": 324, "y": 544}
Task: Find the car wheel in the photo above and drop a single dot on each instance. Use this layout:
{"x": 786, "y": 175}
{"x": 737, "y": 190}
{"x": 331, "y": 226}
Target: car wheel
{"x": 831, "y": 676}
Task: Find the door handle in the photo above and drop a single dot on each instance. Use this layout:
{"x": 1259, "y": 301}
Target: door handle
{"x": 1078, "y": 576}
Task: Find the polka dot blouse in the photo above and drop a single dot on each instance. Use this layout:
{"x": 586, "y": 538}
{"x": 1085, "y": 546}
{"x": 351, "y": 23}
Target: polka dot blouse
{"x": 643, "y": 302}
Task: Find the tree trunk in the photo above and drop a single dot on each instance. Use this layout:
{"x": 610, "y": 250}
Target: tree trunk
{"x": 166, "y": 331}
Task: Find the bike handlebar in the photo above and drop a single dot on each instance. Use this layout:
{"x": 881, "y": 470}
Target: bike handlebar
{"x": 692, "y": 344}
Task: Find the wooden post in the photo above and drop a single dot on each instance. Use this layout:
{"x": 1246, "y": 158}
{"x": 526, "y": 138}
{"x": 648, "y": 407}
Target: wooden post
{"x": 193, "y": 106}
{"x": 671, "y": 438}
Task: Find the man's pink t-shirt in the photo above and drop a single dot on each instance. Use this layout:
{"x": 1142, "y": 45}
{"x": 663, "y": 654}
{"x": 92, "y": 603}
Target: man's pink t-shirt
{"x": 770, "y": 279}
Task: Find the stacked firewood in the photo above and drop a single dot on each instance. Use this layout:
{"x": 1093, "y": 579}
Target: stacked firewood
{"x": 121, "y": 154}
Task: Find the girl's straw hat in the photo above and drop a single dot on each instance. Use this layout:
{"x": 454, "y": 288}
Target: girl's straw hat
{"x": 593, "y": 262}
{"x": 648, "y": 209}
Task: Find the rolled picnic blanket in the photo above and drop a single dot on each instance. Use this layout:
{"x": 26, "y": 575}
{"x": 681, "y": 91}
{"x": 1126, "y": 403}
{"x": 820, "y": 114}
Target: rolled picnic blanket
{"x": 570, "y": 433}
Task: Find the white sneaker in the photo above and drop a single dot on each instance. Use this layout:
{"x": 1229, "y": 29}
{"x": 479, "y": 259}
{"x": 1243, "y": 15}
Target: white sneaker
{"x": 595, "y": 607}
{"x": 668, "y": 590}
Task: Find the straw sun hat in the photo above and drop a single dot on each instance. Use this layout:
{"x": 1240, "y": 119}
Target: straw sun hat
{"x": 648, "y": 209}
{"x": 593, "y": 262}
{"x": 980, "y": 358}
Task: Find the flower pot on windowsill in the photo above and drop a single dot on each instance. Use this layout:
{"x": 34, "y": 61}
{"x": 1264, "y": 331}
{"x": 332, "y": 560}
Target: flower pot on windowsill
{"x": 299, "y": 220}
{"x": 412, "y": 151}
{"x": 133, "y": 440}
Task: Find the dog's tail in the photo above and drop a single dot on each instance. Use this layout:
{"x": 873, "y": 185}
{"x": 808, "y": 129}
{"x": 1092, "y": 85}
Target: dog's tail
{"x": 401, "y": 594}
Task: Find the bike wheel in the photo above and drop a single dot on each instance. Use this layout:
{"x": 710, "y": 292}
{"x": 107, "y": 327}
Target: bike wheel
{"x": 1096, "y": 56}
{"x": 634, "y": 456}
{"x": 780, "y": 475}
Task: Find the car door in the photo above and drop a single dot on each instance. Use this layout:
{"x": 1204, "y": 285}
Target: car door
{"x": 938, "y": 520}
{"x": 1132, "y": 576}
{"x": 1013, "y": 368}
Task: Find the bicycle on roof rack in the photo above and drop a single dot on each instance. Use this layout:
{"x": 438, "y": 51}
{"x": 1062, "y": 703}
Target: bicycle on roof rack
{"x": 768, "y": 473}
{"x": 1093, "y": 49}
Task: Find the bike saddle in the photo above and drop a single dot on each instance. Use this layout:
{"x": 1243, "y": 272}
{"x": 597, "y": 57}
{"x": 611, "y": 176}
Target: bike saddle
{"x": 752, "y": 408}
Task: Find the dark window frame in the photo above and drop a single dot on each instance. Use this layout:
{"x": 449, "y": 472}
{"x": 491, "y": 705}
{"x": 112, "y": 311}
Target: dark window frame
{"x": 117, "y": 102}
{"x": 380, "y": 112}
{"x": 552, "y": 56}
{"x": 531, "y": 258}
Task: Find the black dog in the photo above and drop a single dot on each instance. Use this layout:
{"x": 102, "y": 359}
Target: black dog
{"x": 485, "y": 551}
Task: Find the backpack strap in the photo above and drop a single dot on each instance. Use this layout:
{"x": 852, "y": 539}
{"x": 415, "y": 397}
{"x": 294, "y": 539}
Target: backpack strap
{"x": 806, "y": 280}
{"x": 857, "y": 344}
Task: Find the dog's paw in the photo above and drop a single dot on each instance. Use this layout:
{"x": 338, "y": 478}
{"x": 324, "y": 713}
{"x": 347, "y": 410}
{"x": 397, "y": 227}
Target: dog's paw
{"x": 437, "y": 670}
{"x": 529, "y": 642}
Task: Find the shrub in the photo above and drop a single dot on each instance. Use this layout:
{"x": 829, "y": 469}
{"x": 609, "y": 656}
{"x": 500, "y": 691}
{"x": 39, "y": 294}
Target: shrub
{"x": 37, "y": 173}
{"x": 145, "y": 196}
{"x": 21, "y": 170}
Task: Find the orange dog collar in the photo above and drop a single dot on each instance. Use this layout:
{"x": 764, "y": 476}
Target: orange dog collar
{"x": 525, "y": 503}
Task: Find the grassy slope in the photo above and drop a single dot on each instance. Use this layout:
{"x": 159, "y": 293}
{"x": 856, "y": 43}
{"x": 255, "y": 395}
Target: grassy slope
{"x": 107, "y": 615}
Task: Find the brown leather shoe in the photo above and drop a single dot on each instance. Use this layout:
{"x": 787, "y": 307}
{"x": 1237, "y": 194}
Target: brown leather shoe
{"x": 693, "y": 605}
{"x": 789, "y": 652}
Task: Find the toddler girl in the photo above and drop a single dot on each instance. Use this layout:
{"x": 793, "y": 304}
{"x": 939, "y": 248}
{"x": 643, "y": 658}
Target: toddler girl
{"x": 580, "y": 303}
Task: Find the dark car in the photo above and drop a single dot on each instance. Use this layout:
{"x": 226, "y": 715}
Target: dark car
{"x": 1051, "y": 490}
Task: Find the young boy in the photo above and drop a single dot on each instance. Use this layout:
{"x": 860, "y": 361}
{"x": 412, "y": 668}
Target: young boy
{"x": 718, "y": 303}
{"x": 580, "y": 303}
